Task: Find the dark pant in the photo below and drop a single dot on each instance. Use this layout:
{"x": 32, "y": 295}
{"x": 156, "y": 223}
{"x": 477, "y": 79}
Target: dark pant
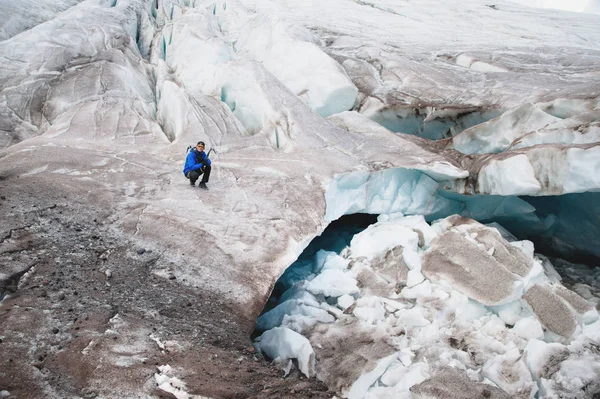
{"x": 195, "y": 174}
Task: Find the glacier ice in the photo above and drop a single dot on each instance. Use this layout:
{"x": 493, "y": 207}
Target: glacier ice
{"x": 283, "y": 344}
{"x": 98, "y": 102}
{"x": 513, "y": 124}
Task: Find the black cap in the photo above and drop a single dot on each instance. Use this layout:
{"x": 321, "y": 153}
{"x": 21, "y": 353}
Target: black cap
{"x": 201, "y": 143}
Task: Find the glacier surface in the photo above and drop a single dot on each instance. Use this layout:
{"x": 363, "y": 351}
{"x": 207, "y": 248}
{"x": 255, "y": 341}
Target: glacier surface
{"x": 413, "y": 111}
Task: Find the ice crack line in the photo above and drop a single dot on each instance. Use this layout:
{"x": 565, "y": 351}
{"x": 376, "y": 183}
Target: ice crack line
{"x": 388, "y": 10}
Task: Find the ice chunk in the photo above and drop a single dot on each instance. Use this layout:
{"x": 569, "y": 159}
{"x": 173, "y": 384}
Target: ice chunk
{"x": 345, "y": 301}
{"x": 298, "y": 292}
{"x": 543, "y": 358}
{"x": 348, "y": 350}
{"x": 510, "y": 313}
{"x": 335, "y": 262}
{"x": 451, "y": 383}
{"x": 412, "y": 259}
{"x": 369, "y": 310}
{"x": 320, "y": 258}
{"x": 418, "y": 224}
{"x": 412, "y": 318}
{"x": 469, "y": 268}
{"x": 393, "y": 305}
{"x": 365, "y": 381}
{"x": 379, "y": 237}
{"x": 371, "y": 283}
{"x": 579, "y": 373}
{"x": 584, "y": 311}
{"x": 510, "y": 373}
{"x": 414, "y": 277}
{"x": 525, "y": 246}
{"x": 274, "y": 317}
{"x": 470, "y": 310}
{"x": 592, "y": 331}
{"x": 298, "y": 322}
{"x": 552, "y": 312}
{"x": 498, "y": 134}
{"x": 559, "y": 369}
{"x": 471, "y": 253}
{"x": 528, "y": 328}
{"x": 512, "y": 175}
{"x": 418, "y": 373}
{"x": 391, "y": 266}
{"x": 283, "y": 343}
{"x": 394, "y": 374}
{"x": 334, "y": 283}
{"x": 418, "y": 291}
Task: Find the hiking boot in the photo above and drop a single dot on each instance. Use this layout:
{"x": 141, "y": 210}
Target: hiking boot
{"x": 192, "y": 183}
{"x": 203, "y": 185}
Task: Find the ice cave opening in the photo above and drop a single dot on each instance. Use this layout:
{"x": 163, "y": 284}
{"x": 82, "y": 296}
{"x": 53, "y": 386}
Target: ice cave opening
{"x": 482, "y": 284}
{"x": 564, "y": 229}
{"x": 334, "y": 238}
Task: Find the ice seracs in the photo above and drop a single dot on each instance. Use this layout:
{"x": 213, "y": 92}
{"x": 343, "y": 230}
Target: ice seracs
{"x": 293, "y": 55}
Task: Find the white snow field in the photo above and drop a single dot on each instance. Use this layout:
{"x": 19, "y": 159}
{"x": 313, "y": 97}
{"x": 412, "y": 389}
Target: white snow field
{"x": 438, "y": 111}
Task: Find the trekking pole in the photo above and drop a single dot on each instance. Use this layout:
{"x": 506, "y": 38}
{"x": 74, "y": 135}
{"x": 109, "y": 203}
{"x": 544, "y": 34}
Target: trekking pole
{"x": 209, "y": 151}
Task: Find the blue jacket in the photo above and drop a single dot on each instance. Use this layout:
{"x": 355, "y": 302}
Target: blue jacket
{"x": 195, "y": 160}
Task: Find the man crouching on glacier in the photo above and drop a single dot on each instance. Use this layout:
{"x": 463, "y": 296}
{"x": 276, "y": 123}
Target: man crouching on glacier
{"x": 196, "y": 164}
